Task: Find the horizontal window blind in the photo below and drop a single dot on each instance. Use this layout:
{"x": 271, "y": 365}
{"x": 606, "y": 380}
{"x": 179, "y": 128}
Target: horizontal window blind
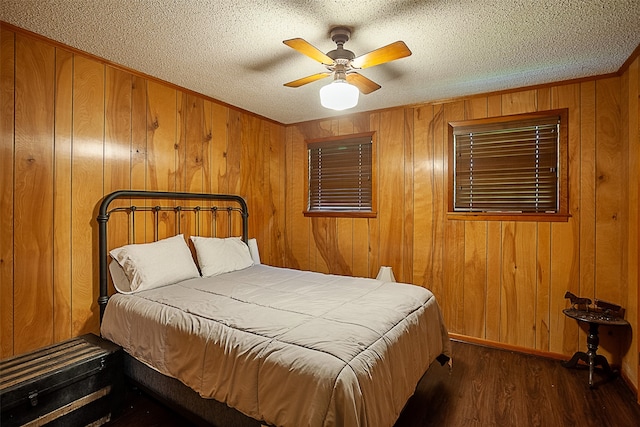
{"x": 507, "y": 167}
{"x": 340, "y": 175}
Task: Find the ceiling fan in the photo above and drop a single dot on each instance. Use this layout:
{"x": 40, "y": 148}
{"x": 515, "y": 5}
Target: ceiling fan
{"x": 343, "y": 63}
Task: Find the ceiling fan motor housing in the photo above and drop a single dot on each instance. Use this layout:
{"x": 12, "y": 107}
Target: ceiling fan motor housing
{"x": 341, "y": 35}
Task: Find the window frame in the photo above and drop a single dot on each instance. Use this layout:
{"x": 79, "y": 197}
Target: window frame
{"x": 341, "y": 213}
{"x": 563, "y": 174}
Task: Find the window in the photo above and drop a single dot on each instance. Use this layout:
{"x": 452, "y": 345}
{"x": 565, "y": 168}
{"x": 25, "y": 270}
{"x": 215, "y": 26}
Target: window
{"x": 509, "y": 167}
{"x": 340, "y": 176}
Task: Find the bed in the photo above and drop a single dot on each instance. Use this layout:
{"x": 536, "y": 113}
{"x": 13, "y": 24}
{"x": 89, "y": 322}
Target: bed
{"x": 252, "y": 344}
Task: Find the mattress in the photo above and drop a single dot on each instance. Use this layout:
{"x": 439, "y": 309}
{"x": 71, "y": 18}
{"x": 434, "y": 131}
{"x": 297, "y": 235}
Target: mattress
{"x": 287, "y": 347}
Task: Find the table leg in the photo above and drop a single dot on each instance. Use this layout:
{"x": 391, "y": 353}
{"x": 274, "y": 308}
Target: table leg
{"x": 592, "y": 345}
{"x": 591, "y": 358}
{"x": 579, "y": 355}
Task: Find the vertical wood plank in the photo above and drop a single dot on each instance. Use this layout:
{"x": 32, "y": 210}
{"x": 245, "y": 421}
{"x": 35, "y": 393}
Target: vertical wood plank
{"x": 218, "y": 155}
{"x": 86, "y": 189}
{"x": 519, "y": 102}
{"x": 344, "y": 244}
{"x": 610, "y": 191}
{"x": 543, "y": 282}
{"x": 252, "y": 170}
{"x": 207, "y": 132}
{"x": 390, "y": 190}
{"x": 234, "y": 152}
{"x": 220, "y": 140}
{"x": 117, "y": 130}
{"x": 196, "y": 140}
{"x": 33, "y": 193}
{"x": 361, "y": 245}
{"x": 297, "y": 226}
{"x": 7, "y": 132}
{"x": 373, "y": 224}
{"x": 439, "y": 202}
{"x": 526, "y": 284}
{"x": 266, "y": 202}
{"x": 324, "y": 259}
{"x": 117, "y": 148}
{"x": 409, "y": 218}
{"x": 181, "y": 143}
{"x": 475, "y": 278}
{"x": 494, "y": 280}
{"x": 62, "y": 197}
{"x": 138, "y": 173}
{"x": 423, "y": 177}
{"x": 274, "y": 244}
{"x": 517, "y": 317}
{"x": 190, "y": 170}
{"x": 544, "y": 98}
{"x": 494, "y": 105}
{"x": 162, "y": 149}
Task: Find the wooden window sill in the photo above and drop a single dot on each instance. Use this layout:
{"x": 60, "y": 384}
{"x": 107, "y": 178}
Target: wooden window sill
{"x": 506, "y": 216}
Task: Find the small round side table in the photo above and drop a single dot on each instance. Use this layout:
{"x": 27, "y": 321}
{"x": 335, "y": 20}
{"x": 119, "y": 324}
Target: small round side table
{"x": 594, "y": 319}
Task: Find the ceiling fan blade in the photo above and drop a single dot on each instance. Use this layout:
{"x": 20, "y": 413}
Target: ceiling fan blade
{"x": 308, "y": 49}
{"x": 379, "y": 56}
{"x": 364, "y": 84}
{"x": 308, "y": 79}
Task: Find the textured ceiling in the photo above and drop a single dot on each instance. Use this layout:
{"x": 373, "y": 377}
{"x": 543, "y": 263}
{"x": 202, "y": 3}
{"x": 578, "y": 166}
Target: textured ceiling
{"x": 233, "y": 51}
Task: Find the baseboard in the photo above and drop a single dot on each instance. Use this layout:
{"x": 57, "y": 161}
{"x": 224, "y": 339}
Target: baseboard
{"x": 510, "y": 347}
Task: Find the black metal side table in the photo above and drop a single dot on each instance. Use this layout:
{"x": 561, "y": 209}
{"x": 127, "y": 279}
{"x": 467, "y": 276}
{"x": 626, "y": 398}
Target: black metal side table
{"x": 594, "y": 319}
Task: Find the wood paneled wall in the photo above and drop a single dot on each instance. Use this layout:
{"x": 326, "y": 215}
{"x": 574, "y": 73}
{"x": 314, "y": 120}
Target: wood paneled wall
{"x": 501, "y": 281}
{"x": 75, "y": 129}
{"x": 631, "y": 125}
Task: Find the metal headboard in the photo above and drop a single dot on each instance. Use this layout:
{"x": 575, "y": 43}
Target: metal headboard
{"x": 104, "y": 214}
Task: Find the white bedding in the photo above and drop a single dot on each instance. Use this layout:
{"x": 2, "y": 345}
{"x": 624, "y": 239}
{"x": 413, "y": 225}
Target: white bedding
{"x": 287, "y": 347}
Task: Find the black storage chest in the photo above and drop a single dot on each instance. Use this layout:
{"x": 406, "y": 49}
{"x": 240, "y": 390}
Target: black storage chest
{"x": 78, "y": 382}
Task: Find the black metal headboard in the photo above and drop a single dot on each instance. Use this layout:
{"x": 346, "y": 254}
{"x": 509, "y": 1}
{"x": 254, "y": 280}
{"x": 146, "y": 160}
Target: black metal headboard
{"x": 104, "y": 213}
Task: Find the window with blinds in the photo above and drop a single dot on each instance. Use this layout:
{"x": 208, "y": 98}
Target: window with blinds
{"x": 340, "y": 175}
{"x": 509, "y": 165}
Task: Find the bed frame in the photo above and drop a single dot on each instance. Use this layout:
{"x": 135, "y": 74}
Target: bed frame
{"x": 200, "y": 212}
{"x": 212, "y": 205}
{"x": 205, "y": 210}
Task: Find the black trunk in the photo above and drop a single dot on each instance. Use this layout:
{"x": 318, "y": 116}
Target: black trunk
{"x": 72, "y": 383}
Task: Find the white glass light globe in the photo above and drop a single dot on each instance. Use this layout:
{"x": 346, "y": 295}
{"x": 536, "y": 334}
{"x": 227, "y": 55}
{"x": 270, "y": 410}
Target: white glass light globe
{"x": 339, "y": 95}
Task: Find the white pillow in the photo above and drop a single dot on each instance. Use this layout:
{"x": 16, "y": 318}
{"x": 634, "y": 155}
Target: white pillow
{"x": 253, "y": 250}
{"x": 151, "y": 265}
{"x": 217, "y": 256}
{"x": 120, "y": 281}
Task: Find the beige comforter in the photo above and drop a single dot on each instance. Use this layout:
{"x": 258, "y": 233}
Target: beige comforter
{"x": 287, "y": 347}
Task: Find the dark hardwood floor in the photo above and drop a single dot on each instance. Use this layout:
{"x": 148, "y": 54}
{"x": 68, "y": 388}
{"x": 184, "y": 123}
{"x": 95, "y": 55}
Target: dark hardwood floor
{"x": 486, "y": 387}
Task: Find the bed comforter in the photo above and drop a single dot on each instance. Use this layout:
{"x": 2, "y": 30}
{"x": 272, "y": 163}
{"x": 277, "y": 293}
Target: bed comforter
{"x": 288, "y": 347}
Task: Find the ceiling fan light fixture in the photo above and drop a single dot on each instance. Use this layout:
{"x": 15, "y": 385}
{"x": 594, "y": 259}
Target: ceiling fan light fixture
{"x": 339, "y": 95}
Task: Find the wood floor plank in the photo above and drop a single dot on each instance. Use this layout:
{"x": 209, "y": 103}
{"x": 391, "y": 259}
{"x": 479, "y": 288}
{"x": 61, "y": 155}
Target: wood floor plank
{"x": 486, "y": 387}
{"x": 491, "y": 387}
